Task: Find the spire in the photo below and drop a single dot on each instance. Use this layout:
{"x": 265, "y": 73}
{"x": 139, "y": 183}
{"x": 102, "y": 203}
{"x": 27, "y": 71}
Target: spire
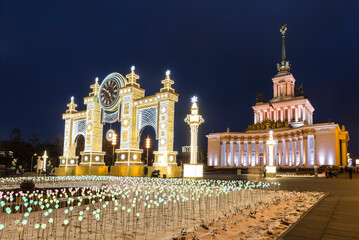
{"x": 95, "y": 88}
{"x": 283, "y": 43}
{"x": 132, "y": 78}
{"x": 284, "y": 66}
{"x": 167, "y": 82}
{"x": 71, "y": 106}
{"x": 194, "y": 108}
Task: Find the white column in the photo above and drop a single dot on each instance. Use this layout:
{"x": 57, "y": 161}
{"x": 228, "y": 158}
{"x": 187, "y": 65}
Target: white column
{"x": 223, "y": 153}
{"x": 241, "y": 153}
{"x": 279, "y": 152}
{"x": 296, "y": 113}
{"x": 287, "y": 153}
{"x": 297, "y": 156}
{"x": 231, "y": 152}
{"x": 293, "y": 152}
{"x": 311, "y": 118}
{"x": 238, "y": 153}
{"x": 270, "y": 144}
{"x": 305, "y": 151}
{"x": 265, "y": 153}
{"x": 284, "y": 149}
{"x": 300, "y": 150}
{"x": 257, "y": 152}
{"x": 246, "y": 157}
{"x": 228, "y": 154}
{"x": 194, "y": 147}
{"x": 253, "y": 150}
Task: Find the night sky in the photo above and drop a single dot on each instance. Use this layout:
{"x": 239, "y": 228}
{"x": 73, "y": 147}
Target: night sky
{"x": 221, "y": 51}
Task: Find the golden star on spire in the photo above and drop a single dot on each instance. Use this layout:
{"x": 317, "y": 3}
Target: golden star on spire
{"x": 283, "y": 29}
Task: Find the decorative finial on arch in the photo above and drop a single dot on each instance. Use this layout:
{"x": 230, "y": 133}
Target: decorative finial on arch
{"x": 194, "y": 99}
{"x": 132, "y": 78}
{"x": 167, "y": 82}
{"x": 96, "y": 80}
{"x": 71, "y": 106}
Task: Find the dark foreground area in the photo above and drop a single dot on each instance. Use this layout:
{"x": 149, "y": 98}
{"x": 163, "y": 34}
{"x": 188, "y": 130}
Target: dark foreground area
{"x": 335, "y": 217}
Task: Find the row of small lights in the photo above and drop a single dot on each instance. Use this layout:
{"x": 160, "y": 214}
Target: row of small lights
{"x": 80, "y": 114}
{"x": 158, "y": 97}
{"x": 97, "y": 158}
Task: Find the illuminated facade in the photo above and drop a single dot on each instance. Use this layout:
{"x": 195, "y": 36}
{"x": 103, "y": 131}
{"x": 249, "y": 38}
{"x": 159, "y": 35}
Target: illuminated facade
{"x": 121, "y": 100}
{"x": 298, "y": 142}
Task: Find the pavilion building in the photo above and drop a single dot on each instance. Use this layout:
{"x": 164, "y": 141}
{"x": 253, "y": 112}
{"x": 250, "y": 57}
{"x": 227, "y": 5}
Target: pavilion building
{"x": 298, "y": 141}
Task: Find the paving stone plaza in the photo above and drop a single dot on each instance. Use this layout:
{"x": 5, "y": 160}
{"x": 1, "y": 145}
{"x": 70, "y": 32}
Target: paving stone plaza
{"x": 335, "y": 217}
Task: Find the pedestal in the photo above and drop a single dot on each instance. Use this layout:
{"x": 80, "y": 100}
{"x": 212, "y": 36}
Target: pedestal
{"x": 91, "y": 170}
{"x": 170, "y": 171}
{"x": 128, "y": 157}
{"x": 92, "y": 158}
{"x": 164, "y": 158}
{"x": 193, "y": 170}
{"x": 271, "y": 171}
{"x": 68, "y": 161}
{"x": 65, "y": 171}
{"x": 127, "y": 171}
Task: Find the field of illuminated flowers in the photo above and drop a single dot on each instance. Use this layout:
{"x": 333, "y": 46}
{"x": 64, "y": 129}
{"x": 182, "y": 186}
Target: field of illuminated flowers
{"x": 93, "y": 207}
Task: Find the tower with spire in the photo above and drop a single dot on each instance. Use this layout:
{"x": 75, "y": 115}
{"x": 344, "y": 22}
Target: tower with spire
{"x": 294, "y": 141}
{"x": 287, "y": 107}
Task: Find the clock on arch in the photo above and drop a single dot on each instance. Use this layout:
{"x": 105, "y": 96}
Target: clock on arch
{"x": 109, "y": 93}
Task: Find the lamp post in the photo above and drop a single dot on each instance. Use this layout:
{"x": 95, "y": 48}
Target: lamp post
{"x": 114, "y": 143}
{"x": 194, "y": 120}
{"x": 148, "y": 145}
{"x": 44, "y": 162}
{"x": 271, "y": 169}
{"x": 32, "y": 160}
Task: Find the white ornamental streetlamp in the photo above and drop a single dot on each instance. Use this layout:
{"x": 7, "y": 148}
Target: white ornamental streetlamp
{"x": 194, "y": 120}
{"x": 45, "y": 157}
{"x": 271, "y": 169}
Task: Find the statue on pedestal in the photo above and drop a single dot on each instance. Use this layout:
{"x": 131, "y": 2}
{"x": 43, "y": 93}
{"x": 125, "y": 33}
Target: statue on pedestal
{"x": 39, "y": 165}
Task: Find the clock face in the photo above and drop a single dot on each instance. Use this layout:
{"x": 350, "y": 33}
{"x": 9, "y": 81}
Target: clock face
{"x": 109, "y": 93}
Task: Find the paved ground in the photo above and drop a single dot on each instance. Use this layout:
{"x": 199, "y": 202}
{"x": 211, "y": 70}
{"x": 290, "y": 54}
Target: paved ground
{"x": 335, "y": 217}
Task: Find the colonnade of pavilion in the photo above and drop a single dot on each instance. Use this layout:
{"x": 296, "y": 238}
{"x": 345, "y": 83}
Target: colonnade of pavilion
{"x": 288, "y": 151}
{"x": 289, "y": 114}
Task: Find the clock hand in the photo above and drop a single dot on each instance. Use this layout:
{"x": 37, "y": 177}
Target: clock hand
{"x": 107, "y": 92}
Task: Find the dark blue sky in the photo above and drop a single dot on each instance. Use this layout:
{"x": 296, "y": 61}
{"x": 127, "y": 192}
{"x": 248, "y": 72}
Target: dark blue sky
{"x": 222, "y": 51}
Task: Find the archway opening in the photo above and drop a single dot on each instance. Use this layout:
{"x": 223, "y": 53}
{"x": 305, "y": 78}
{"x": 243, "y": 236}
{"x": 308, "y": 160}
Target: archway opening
{"x": 80, "y": 146}
{"x": 148, "y": 131}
